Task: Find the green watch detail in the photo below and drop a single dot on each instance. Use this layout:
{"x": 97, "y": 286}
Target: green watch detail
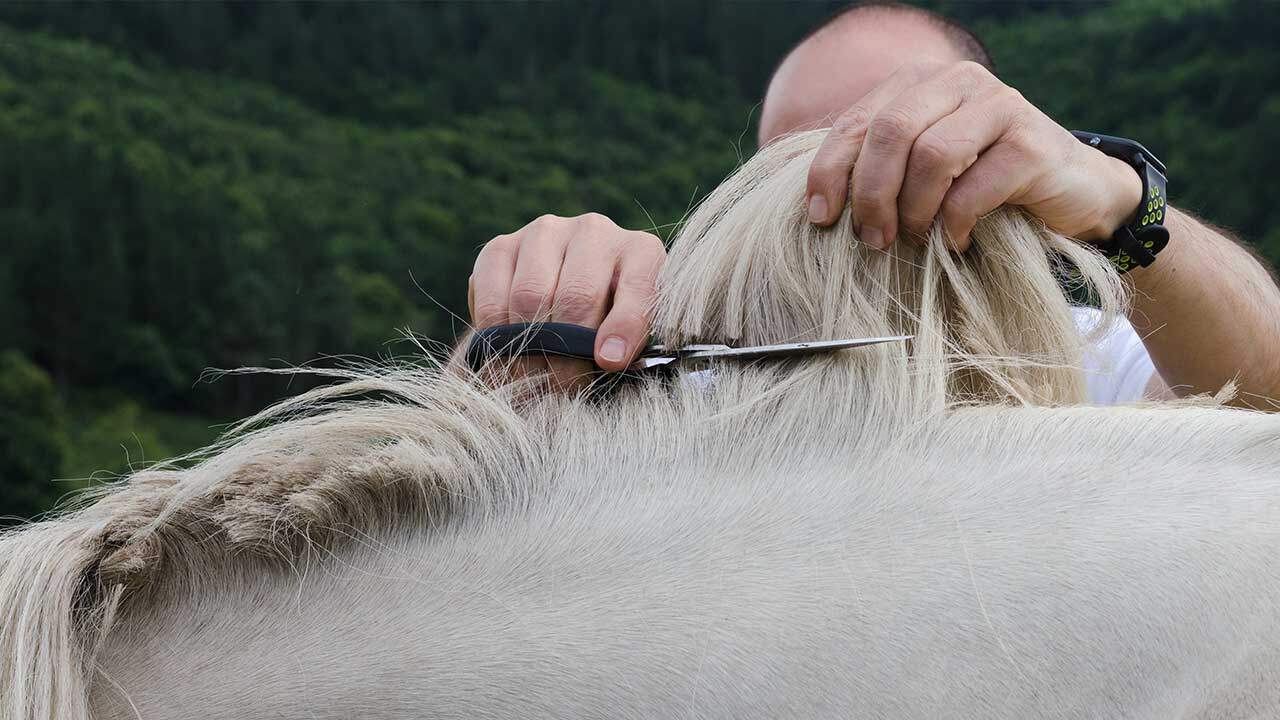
{"x": 1138, "y": 243}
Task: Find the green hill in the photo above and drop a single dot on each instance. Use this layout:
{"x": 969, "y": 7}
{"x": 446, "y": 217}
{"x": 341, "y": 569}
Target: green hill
{"x": 204, "y": 185}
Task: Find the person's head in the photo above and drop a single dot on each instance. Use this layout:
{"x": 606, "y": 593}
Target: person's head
{"x": 851, "y": 53}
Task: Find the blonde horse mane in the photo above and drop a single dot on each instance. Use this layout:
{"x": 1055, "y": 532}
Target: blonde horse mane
{"x": 991, "y": 325}
{"x": 992, "y": 329}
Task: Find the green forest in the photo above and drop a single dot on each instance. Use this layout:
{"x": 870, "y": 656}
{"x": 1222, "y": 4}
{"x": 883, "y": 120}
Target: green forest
{"x": 189, "y": 186}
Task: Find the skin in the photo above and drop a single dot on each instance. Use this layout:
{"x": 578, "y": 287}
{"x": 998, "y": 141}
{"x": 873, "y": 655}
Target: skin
{"x": 583, "y": 270}
{"x": 921, "y": 133}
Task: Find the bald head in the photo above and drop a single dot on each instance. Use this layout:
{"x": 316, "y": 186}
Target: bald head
{"x": 835, "y": 66}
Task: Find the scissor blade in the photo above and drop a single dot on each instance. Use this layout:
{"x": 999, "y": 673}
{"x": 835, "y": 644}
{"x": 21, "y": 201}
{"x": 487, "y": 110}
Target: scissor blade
{"x": 788, "y": 349}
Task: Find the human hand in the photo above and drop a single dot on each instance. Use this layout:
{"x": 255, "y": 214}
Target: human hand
{"x": 583, "y": 270}
{"x": 951, "y": 140}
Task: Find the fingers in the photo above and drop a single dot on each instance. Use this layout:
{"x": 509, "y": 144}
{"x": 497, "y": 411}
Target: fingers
{"x": 471, "y": 295}
{"x": 489, "y": 291}
{"x": 828, "y": 184}
{"x": 583, "y": 288}
{"x": 945, "y": 151}
{"x": 583, "y": 270}
{"x": 626, "y": 328}
{"x": 890, "y": 140}
{"x": 542, "y": 249}
{"x": 999, "y": 174}
{"x": 586, "y": 274}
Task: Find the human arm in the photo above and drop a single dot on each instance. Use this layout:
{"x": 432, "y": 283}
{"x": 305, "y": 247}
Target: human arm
{"x": 1209, "y": 312}
{"x": 949, "y": 140}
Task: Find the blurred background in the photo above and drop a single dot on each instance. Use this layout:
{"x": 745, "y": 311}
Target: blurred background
{"x": 201, "y": 185}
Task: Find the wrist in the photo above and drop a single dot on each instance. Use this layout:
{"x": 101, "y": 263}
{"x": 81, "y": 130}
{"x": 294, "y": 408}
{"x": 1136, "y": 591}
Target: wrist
{"x": 1151, "y": 280}
{"x": 1120, "y": 203}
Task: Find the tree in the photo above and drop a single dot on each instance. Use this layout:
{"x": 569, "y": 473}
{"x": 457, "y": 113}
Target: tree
{"x": 32, "y": 442}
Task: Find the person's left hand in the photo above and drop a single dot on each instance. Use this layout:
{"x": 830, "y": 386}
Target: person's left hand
{"x": 950, "y": 140}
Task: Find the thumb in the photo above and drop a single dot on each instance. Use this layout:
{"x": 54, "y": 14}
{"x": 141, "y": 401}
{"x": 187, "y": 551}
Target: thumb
{"x": 625, "y": 330}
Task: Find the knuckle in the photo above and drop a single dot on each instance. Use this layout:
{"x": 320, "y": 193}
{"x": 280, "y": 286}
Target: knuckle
{"x": 594, "y": 218}
{"x": 819, "y": 171}
{"x": 529, "y": 297}
{"x": 546, "y": 220}
{"x": 489, "y": 310}
{"x": 499, "y": 244}
{"x": 852, "y": 120}
{"x": 1011, "y": 96}
{"x": 972, "y": 70}
{"x": 873, "y": 191}
{"x": 648, "y": 243}
{"x": 891, "y": 127}
{"x": 869, "y": 206}
{"x": 931, "y": 155}
{"x": 956, "y": 210}
{"x": 577, "y": 299}
{"x": 639, "y": 285}
{"x": 595, "y": 227}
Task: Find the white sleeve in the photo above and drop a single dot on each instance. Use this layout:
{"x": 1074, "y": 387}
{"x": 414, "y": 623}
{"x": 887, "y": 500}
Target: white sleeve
{"x": 1118, "y": 369}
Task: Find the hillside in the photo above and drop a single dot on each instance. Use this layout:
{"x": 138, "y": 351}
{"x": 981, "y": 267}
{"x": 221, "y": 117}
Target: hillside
{"x": 205, "y": 185}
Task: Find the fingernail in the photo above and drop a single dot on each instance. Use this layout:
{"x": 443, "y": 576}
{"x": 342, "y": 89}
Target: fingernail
{"x": 817, "y": 209}
{"x": 614, "y": 349}
{"x": 873, "y": 237}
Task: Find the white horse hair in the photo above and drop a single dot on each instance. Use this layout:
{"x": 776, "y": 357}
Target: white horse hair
{"x": 926, "y": 530}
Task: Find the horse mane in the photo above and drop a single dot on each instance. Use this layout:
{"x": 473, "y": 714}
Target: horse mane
{"x": 992, "y": 328}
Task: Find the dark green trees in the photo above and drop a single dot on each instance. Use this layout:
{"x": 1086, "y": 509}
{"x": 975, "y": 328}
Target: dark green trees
{"x": 195, "y": 185}
{"x": 32, "y": 441}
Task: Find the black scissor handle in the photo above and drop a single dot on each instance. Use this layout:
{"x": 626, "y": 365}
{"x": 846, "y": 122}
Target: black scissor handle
{"x": 526, "y": 339}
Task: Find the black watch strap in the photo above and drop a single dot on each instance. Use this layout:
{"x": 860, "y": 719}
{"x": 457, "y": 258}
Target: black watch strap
{"x": 1138, "y": 243}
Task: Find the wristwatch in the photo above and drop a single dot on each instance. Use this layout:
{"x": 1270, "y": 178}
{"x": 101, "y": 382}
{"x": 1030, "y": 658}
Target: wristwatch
{"x": 1137, "y": 243}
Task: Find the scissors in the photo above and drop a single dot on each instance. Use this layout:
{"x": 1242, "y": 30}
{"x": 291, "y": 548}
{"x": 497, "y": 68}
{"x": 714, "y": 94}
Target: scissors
{"x": 576, "y": 341}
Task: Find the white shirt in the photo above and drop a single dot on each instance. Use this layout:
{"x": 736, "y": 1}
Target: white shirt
{"x": 1118, "y": 368}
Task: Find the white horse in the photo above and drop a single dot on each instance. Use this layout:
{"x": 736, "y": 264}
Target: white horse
{"x": 936, "y": 530}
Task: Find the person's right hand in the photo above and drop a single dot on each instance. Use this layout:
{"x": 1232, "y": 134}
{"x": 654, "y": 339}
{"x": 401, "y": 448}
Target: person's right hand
{"x": 583, "y": 270}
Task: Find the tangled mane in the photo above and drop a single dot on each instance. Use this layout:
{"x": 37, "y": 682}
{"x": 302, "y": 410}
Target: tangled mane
{"x": 991, "y": 328}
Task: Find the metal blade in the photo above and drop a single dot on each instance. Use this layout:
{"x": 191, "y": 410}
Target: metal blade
{"x": 789, "y": 349}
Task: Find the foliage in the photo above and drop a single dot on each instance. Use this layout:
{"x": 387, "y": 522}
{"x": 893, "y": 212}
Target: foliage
{"x": 195, "y": 185}
{"x": 224, "y": 224}
{"x": 32, "y": 442}
{"x": 1195, "y": 81}
{"x": 110, "y": 436}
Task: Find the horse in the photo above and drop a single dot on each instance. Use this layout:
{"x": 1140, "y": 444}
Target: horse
{"x": 932, "y": 529}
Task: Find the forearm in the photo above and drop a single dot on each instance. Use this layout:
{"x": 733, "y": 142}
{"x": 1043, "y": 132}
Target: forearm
{"x": 1209, "y": 313}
